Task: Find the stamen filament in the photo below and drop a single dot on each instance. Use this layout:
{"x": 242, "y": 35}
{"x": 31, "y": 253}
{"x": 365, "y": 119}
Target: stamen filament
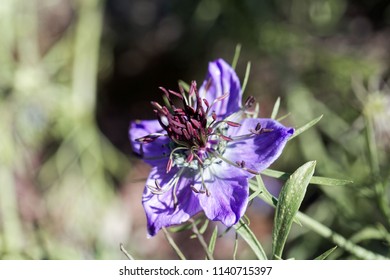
{"x": 174, "y": 190}
{"x": 241, "y": 166}
{"x": 206, "y": 190}
{"x": 220, "y": 98}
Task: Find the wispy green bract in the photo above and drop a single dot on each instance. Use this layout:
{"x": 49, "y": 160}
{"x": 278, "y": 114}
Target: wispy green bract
{"x": 326, "y": 254}
{"x": 290, "y": 200}
{"x": 236, "y": 56}
{"x": 246, "y": 78}
{"x": 203, "y": 229}
{"x": 275, "y": 110}
{"x": 314, "y": 180}
{"x": 244, "y": 231}
{"x": 305, "y": 127}
{"x": 213, "y": 240}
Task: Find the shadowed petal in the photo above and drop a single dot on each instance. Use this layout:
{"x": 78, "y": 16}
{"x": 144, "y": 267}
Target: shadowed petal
{"x": 258, "y": 151}
{"x": 153, "y": 152}
{"x": 221, "y": 79}
{"x": 159, "y": 208}
{"x": 228, "y": 199}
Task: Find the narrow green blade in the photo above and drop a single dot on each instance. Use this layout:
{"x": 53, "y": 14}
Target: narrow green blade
{"x": 184, "y": 85}
{"x": 290, "y": 200}
{"x": 236, "y": 56}
{"x": 244, "y": 231}
{"x": 305, "y": 127}
{"x": 314, "y": 180}
{"x": 213, "y": 240}
{"x": 275, "y": 110}
{"x": 246, "y": 78}
{"x": 203, "y": 229}
{"x": 326, "y": 254}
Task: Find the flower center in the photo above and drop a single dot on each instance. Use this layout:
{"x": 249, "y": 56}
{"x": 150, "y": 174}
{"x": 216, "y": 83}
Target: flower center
{"x": 198, "y": 137}
{"x": 185, "y": 126}
{"x": 193, "y": 130}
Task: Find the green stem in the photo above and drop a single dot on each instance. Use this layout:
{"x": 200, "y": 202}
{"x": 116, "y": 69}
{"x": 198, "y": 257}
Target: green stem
{"x": 372, "y": 149}
{"x": 201, "y": 240}
{"x": 338, "y": 239}
{"x": 12, "y": 228}
{"x": 124, "y": 251}
{"x": 85, "y": 64}
{"x": 380, "y": 189}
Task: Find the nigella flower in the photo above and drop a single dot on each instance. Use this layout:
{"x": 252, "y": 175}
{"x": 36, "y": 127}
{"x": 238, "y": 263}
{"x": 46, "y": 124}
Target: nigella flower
{"x": 204, "y": 152}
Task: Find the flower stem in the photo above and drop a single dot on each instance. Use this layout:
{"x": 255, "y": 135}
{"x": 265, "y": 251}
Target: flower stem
{"x": 372, "y": 149}
{"x": 86, "y": 54}
{"x": 337, "y": 239}
{"x": 11, "y": 224}
{"x": 130, "y": 257}
{"x": 201, "y": 240}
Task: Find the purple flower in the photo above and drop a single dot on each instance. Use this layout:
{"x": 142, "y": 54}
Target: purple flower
{"x": 204, "y": 152}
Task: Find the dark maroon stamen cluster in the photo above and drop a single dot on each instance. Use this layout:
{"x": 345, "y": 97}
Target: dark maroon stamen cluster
{"x": 193, "y": 135}
{"x": 186, "y": 126}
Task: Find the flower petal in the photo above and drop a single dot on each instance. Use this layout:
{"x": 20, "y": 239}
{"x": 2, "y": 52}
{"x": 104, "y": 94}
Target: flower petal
{"x": 221, "y": 79}
{"x": 159, "y": 208}
{"x": 259, "y": 151}
{"x": 228, "y": 187}
{"x": 152, "y": 152}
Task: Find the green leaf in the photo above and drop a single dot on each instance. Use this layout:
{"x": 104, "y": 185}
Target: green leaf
{"x": 314, "y": 180}
{"x": 213, "y": 240}
{"x": 371, "y": 233}
{"x": 236, "y": 56}
{"x": 275, "y": 110}
{"x": 235, "y": 248}
{"x": 283, "y": 117}
{"x": 290, "y": 200}
{"x": 244, "y": 231}
{"x": 305, "y": 127}
{"x": 257, "y": 189}
{"x": 246, "y": 78}
{"x": 326, "y": 254}
{"x": 184, "y": 85}
{"x": 202, "y": 230}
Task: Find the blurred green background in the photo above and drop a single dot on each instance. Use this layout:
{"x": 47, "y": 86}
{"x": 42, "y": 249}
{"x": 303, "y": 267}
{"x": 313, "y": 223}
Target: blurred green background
{"x": 74, "y": 73}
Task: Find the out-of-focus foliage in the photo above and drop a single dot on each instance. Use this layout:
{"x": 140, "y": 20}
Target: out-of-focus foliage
{"x": 57, "y": 193}
{"x": 74, "y": 72}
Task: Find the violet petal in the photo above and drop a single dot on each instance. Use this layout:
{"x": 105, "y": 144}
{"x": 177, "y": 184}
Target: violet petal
{"x": 259, "y": 151}
{"x": 228, "y": 198}
{"x": 220, "y": 79}
{"x": 159, "y": 208}
{"x": 155, "y": 151}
